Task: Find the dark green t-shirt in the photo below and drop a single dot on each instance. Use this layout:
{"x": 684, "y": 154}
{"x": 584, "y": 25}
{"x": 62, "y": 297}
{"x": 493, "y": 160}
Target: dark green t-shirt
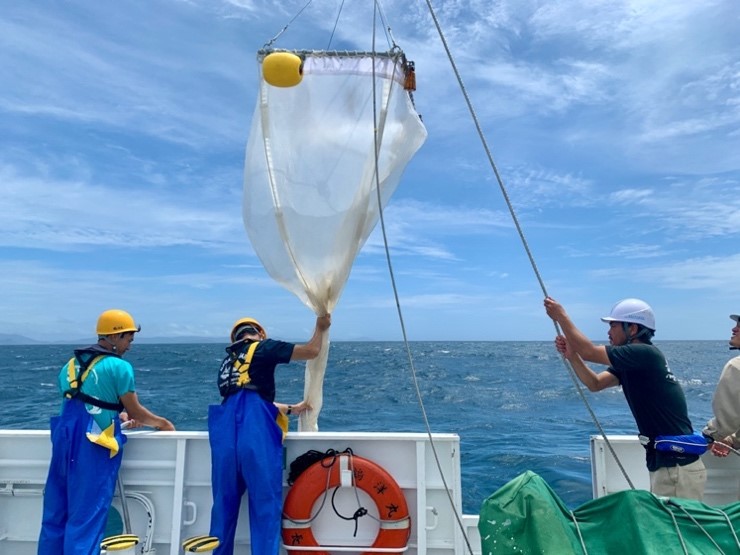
{"x": 655, "y": 397}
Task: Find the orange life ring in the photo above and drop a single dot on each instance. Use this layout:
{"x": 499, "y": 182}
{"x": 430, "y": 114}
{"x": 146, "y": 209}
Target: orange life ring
{"x": 395, "y": 523}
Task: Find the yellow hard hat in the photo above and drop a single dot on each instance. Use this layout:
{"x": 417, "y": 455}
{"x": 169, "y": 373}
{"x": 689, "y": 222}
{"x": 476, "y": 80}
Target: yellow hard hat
{"x": 242, "y": 324}
{"x": 116, "y": 321}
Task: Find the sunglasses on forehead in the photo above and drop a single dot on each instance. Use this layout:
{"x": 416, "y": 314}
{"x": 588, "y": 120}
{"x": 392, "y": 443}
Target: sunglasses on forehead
{"x": 246, "y": 330}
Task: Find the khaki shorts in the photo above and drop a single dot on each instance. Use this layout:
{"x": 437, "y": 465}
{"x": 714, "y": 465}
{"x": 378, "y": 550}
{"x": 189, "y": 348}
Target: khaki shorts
{"x": 680, "y": 481}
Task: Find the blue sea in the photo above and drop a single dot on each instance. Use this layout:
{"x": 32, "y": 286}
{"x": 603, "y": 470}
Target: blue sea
{"x": 513, "y": 404}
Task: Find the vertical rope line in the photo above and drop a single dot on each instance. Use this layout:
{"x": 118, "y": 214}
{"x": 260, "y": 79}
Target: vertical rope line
{"x": 396, "y": 297}
{"x": 678, "y": 533}
{"x": 578, "y": 529}
{"x": 273, "y": 39}
{"x": 336, "y": 22}
{"x": 571, "y": 371}
{"x": 729, "y": 524}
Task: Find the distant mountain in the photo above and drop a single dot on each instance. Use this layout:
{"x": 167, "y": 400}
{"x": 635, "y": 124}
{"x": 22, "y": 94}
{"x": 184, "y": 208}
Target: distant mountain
{"x": 13, "y": 339}
{"x": 182, "y": 340}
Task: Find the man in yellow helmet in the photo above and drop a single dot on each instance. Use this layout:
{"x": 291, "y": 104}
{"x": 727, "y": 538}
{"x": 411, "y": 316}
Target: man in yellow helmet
{"x": 87, "y": 443}
{"x": 246, "y": 440}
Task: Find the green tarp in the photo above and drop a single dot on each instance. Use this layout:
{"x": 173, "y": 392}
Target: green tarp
{"x": 526, "y": 517}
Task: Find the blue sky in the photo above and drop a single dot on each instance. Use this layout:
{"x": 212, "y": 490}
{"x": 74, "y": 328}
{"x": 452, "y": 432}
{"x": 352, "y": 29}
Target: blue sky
{"x": 615, "y": 126}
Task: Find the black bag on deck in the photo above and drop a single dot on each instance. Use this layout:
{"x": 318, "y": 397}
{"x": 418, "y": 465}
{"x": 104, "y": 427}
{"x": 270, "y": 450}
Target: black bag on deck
{"x": 302, "y": 462}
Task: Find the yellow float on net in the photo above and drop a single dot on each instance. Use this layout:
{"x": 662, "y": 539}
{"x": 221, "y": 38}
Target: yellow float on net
{"x": 282, "y": 69}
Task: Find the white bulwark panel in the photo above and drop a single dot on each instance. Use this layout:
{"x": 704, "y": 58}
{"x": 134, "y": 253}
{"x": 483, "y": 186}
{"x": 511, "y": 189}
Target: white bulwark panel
{"x": 167, "y": 481}
{"x": 723, "y": 474}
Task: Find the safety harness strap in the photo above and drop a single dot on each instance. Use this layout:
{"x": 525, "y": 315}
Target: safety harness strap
{"x": 243, "y": 367}
{"x": 76, "y": 381}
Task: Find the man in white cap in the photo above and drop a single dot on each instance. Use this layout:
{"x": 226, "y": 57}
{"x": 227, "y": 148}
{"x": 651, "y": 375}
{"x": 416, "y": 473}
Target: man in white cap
{"x": 724, "y": 427}
{"x": 653, "y": 393}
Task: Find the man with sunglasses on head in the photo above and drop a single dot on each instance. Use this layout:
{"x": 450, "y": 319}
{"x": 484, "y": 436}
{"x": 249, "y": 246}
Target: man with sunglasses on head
{"x": 246, "y": 434}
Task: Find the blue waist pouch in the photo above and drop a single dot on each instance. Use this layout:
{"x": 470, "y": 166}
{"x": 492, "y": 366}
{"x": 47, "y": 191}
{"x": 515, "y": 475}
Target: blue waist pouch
{"x": 691, "y": 444}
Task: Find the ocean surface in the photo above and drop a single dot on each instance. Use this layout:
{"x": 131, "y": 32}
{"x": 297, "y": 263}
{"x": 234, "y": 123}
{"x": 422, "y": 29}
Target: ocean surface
{"x": 513, "y": 404}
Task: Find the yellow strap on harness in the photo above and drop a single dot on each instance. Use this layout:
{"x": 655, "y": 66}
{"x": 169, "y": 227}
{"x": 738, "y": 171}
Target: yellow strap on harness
{"x": 106, "y": 438}
{"x": 243, "y": 367}
{"x": 72, "y": 372}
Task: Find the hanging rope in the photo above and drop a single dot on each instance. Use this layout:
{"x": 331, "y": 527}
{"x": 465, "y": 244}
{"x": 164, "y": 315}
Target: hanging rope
{"x": 336, "y": 22}
{"x": 386, "y": 27}
{"x": 678, "y": 533}
{"x": 268, "y": 44}
{"x": 327, "y": 462}
{"x": 407, "y": 346}
{"x": 389, "y": 37}
{"x": 729, "y": 526}
{"x": 578, "y": 529}
{"x": 359, "y": 513}
{"x": 571, "y": 371}
{"x": 671, "y": 503}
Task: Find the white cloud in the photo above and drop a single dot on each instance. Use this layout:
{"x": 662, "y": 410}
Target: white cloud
{"x": 699, "y": 273}
{"x": 50, "y": 214}
{"x": 614, "y": 125}
{"x": 688, "y": 209}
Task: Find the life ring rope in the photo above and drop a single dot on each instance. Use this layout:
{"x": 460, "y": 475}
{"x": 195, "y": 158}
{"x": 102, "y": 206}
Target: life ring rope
{"x": 289, "y": 522}
{"x": 353, "y": 471}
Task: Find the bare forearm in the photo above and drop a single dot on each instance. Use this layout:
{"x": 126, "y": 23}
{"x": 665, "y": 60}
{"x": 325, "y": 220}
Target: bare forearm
{"x": 148, "y": 418}
{"x": 296, "y": 408}
{"x": 142, "y": 415}
{"x": 313, "y": 347}
{"x": 311, "y": 350}
{"x": 308, "y": 351}
{"x": 588, "y": 377}
{"x": 594, "y": 381}
{"x": 577, "y": 340}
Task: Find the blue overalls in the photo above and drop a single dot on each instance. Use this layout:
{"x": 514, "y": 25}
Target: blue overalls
{"x": 80, "y": 485}
{"x": 246, "y": 454}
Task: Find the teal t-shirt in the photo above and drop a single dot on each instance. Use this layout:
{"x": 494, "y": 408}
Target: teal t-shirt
{"x": 110, "y": 379}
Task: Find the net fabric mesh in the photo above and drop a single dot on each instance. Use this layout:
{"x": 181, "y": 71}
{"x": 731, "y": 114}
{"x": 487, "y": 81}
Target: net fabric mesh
{"x": 310, "y": 201}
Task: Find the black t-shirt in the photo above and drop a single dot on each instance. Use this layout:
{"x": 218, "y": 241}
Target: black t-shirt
{"x": 267, "y": 356}
{"x": 655, "y": 398}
